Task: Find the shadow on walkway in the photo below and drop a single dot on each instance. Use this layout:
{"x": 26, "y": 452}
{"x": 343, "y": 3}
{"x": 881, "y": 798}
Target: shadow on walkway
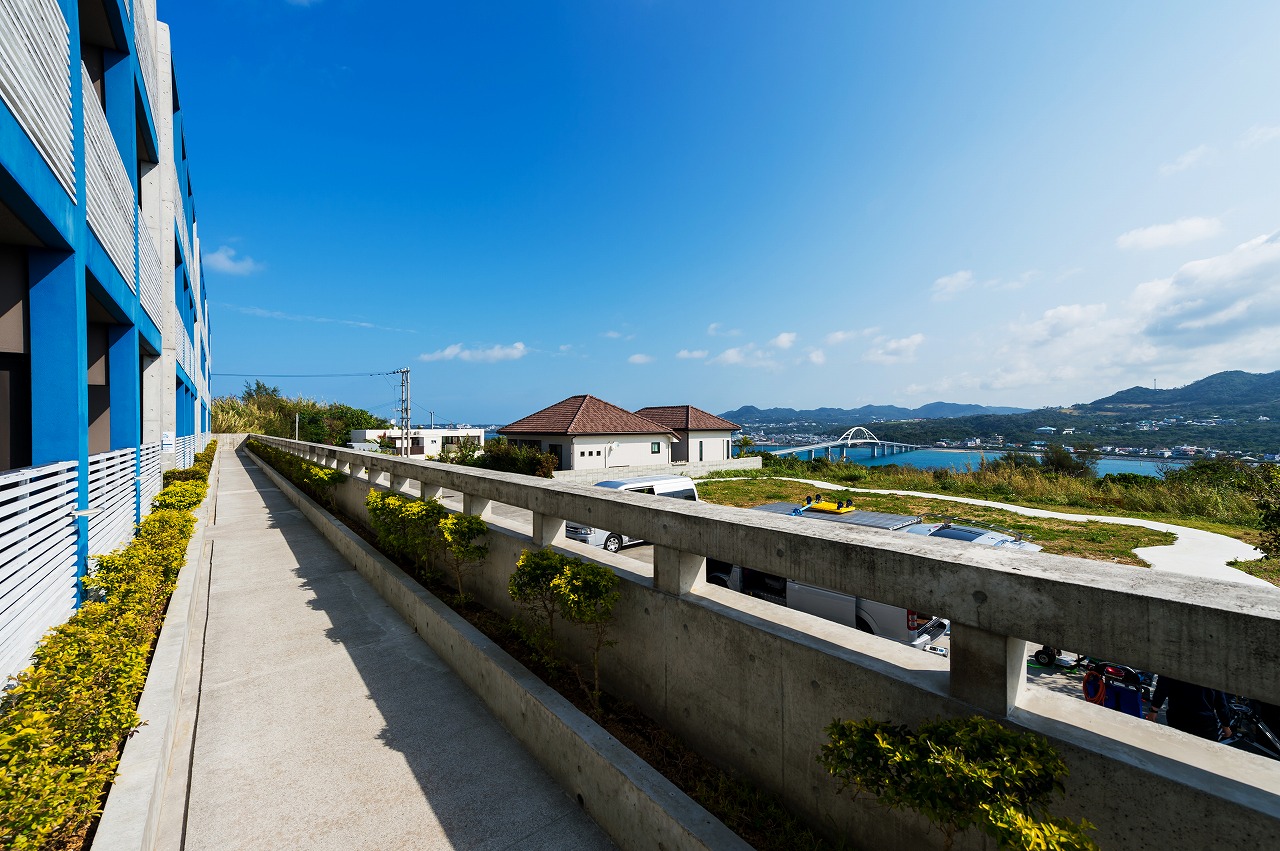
{"x": 326, "y": 722}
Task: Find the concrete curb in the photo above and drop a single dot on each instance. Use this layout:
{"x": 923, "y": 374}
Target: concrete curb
{"x": 131, "y": 817}
{"x": 631, "y": 801}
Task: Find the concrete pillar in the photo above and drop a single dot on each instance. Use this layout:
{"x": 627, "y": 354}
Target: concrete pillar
{"x": 152, "y": 370}
{"x": 988, "y": 670}
{"x": 674, "y": 571}
{"x": 472, "y": 504}
{"x": 427, "y": 491}
{"x": 547, "y": 530}
{"x": 344, "y": 467}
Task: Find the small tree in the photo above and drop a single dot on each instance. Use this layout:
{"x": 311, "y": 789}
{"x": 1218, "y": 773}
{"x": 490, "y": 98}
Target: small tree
{"x": 587, "y": 594}
{"x": 1268, "y": 496}
{"x": 530, "y": 586}
{"x": 744, "y": 444}
{"x": 960, "y": 773}
{"x": 461, "y": 535}
{"x": 408, "y": 529}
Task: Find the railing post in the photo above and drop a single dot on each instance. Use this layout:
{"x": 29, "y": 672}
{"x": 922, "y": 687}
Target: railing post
{"x": 426, "y": 491}
{"x": 547, "y": 530}
{"x": 988, "y": 670}
{"x": 472, "y": 504}
{"x": 674, "y": 571}
{"x": 344, "y": 467}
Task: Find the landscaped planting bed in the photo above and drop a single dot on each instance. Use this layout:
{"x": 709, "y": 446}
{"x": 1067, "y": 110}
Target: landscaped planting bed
{"x": 66, "y": 718}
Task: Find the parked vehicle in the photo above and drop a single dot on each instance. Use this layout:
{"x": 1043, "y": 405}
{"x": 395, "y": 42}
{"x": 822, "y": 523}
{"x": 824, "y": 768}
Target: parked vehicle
{"x": 1248, "y": 731}
{"x": 892, "y": 622}
{"x": 679, "y": 487}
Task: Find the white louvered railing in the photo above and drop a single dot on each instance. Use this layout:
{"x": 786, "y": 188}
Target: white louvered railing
{"x": 150, "y": 477}
{"x": 38, "y": 586}
{"x": 35, "y": 79}
{"x": 113, "y": 499}
{"x": 187, "y": 447}
{"x": 144, "y": 36}
{"x": 150, "y": 276}
{"x": 184, "y": 351}
{"x": 110, "y": 200}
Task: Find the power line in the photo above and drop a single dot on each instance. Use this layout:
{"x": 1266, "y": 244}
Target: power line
{"x": 299, "y": 375}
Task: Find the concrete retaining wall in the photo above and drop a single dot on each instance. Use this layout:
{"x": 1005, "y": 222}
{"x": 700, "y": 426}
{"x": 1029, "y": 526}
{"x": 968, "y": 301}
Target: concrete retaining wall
{"x": 752, "y": 685}
{"x": 632, "y": 802}
{"x": 689, "y": 468}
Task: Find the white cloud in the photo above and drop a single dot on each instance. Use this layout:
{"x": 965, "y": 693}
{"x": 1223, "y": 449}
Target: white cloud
{"x": 1185, "y": 161}
{"x": 492, "y": 354}
{"x": 835, "y": 338}
{"x": 566, "y": 347}
{"x": 716, "y": 329}
{"x": 887, "y": 351}
{"x": 1258, "y": 136}
{"x": 816, "y": 356}
{"x": 949, "y": 286}
{"x": 224, "y": 260}
{"x": 640, "y": 358}
{"x": 785, "y": 340}
{"x": 694, "y": 354}
{"x": 749, "y": 355}
{"x": 612, "y": 335}
{"x": 1211, "y": 315}
{"x": 263, "y": 313}
{"x": 1175, "y": 233}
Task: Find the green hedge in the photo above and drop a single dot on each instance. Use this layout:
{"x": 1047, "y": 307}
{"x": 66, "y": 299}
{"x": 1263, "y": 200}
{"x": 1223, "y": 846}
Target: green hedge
{"x": 66, "y": 717}
{"x": 318, "y": 482}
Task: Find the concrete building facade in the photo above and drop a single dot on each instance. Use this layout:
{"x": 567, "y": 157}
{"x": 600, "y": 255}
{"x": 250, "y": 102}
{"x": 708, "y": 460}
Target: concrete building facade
{"x": 104, "y": 334}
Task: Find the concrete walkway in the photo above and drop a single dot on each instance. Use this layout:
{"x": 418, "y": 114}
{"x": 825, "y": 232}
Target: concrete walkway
{"x": 323, "y": 721}
{"x": 1194, "y": 553}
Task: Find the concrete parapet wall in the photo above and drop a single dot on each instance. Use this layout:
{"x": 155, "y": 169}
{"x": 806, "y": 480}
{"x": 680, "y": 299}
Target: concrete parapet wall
{"x": 752, "y": 685}
{"x": 678, "y": 468}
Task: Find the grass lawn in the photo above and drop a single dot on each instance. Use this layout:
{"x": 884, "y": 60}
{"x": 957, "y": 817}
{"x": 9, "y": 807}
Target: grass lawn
{"x": 1263, "y": 568}
{"x": 1089, "y": 539}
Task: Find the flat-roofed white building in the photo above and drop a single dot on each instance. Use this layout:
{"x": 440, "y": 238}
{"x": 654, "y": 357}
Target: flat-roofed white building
{"x": 427, "y": 442}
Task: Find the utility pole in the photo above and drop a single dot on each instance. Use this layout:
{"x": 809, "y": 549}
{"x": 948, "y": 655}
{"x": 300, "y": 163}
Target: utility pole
{"x": 433, "y": 418}
{"x": 404, "y": 410}
{"x": 295, "y": 424}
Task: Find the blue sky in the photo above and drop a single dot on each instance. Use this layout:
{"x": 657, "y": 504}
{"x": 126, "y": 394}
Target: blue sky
{"x": 729, "y": 203}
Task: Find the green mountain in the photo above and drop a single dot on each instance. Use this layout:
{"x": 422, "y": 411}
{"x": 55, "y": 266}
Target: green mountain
{"x": 749, "y": 415}
{"x": 1229, "y": 411}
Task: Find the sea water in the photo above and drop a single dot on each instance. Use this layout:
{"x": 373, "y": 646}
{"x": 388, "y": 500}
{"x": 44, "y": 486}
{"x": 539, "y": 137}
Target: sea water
{"x": 961, "y": 460}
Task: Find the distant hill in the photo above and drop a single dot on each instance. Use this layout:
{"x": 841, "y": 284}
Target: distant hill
{"x": 1227, "y": 390}
{"x": 751, "y": 415}
{"x": 1246, "y": 407}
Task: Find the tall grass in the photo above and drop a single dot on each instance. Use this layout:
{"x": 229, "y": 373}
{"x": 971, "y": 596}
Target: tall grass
{"x": 1188, "y": 493}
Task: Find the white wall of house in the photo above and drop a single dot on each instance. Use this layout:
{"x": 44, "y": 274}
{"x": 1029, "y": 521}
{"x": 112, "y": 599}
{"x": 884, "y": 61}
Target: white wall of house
{"x": 709, "y": 446}
{"x": 594, "y": 452}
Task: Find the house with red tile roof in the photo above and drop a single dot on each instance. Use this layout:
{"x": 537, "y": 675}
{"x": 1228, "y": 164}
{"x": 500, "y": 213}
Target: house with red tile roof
{"x": 703, "y": 436}
{"x": 586, "y": 433}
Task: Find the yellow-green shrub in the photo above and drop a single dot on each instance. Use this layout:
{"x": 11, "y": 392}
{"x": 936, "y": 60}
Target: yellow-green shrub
{"x": 180, "y": 496}
{"x": 65, "y": 718}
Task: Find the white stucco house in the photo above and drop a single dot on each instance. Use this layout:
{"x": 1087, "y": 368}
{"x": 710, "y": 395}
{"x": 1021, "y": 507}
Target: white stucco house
{"x": 586, "y": 433}
{"x": 702, "y": 436}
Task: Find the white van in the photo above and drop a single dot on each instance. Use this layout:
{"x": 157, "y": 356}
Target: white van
{"x": 680, "y": 487}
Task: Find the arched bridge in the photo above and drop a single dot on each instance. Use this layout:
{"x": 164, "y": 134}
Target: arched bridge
{"x": 856, "y": 436}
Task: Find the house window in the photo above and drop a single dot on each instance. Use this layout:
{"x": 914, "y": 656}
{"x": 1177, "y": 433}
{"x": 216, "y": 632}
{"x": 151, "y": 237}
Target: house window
{"x": 699, "y": 450}
{"x": 582, "y": 454}
{"x": 655, "y": 448}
